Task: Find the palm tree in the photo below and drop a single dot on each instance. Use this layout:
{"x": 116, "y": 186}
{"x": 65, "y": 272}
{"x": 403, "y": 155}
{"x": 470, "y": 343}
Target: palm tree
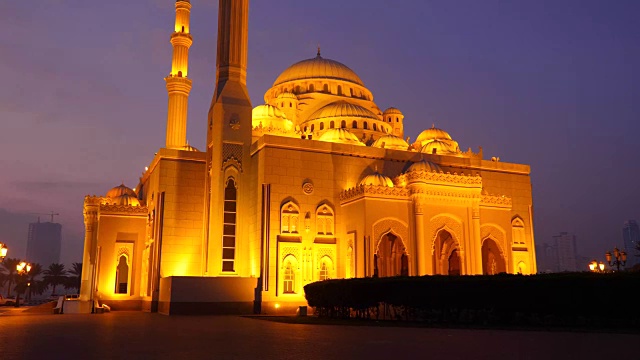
{"x": 36, "y": 286}
{"x": 55, "y": 275}
{"x": 76, "y": 278}
{"x": 9, "y": 267}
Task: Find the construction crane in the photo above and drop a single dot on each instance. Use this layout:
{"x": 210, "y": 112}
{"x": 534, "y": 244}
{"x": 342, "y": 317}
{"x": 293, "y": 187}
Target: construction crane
{"x": 52, "y": 214}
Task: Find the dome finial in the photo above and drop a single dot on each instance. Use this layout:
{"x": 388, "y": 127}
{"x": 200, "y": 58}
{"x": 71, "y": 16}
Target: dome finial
{"x": 318, "y": 50}
{"x": 433, "y": 125}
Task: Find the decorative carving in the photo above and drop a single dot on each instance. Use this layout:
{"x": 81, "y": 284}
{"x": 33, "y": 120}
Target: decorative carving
{"x": 372, "y": 190}
{"x": 447, "y": 223}
{"x": 495, "y": 233}
{"x": 496, "y": 201}
{"x": 395, "y": 226}
{"x": 232, "y": 151}
{"x": 307, "y": 187}
{"x": 290, "y": 250}
{"x": 231, "y": 161}
{"x": 234, "y": 121}
{"x": 438, "y": 177}
{"x": 125, "y": 209}
{"x": 322, "y": 252}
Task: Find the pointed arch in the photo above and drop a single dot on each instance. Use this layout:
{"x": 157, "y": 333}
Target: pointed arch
{"x": 518, "y": 231}
{"x": 325, "y": 220}
{"x": 289, "y": 218}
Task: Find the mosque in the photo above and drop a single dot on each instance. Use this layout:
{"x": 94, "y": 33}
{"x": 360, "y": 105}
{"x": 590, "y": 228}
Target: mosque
{"x": 315, "y": 183}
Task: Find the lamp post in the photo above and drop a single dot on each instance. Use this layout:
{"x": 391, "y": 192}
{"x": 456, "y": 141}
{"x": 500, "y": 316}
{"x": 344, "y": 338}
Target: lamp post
{"x": 594, "y": 266}
{"x": 22, "y": 269}
{"x": 3, "y": 251}
{"x": 619, "y": 258}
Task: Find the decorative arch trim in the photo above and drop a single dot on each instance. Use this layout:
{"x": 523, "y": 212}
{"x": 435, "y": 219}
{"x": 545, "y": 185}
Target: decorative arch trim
{"x": 391, "y": 225}
{"x": 451, "y": 224}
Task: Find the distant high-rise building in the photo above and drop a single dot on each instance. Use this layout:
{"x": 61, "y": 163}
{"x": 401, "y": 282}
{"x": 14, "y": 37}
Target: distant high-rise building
{"x": 631, "y": 238}
{"x": 44, "y": 243}
{"x": 567, "y": 253}
{"x": 559, "y": 255}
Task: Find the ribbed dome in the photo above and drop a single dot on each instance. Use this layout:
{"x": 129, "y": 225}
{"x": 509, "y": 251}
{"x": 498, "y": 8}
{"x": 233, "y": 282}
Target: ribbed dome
{"x": 425, "y": 166}
{"x": 392, "y": 111}
{"x": 188, "y": 147}
{"x": 287, "y": 95}
{"x": 126, "y": 200}
{"x": 377, "y": 180}
{"x": 119, "y": 191}
{"x": 432, "y": 134}
{"x": 391, "y": 142}
{"x": 342, "y": 109}
{"x": 267, "y": 111}
{"x": 441, "y": 147}
{"x": 318, "y": 68}
{"x": 341, "y": 136}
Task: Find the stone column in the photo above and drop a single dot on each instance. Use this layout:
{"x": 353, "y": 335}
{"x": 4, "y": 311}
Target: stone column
{"x": 421, "y": 256}
{"x": 90, "y": 246}
{"x": 476, "y": 242}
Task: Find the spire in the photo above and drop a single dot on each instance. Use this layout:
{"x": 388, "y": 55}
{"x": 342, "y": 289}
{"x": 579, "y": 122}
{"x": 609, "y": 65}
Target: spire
{"x": 319, "y": 51}
{"x": 178, "y": 83}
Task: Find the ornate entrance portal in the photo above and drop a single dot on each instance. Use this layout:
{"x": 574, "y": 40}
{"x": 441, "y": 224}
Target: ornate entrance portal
{"x": 391, "y": 258}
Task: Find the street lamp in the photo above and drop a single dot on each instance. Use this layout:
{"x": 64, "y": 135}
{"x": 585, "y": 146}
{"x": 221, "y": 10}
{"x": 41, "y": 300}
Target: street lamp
{"x": 594, "y": 266}
{"x": 3, "y": 251}
{"x": 22, "y": 269}
{"x": 619, "y": 258}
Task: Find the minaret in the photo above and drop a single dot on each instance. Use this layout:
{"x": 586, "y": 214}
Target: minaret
{"x": 178, "y": 84}
{"x": 228, "y": 146}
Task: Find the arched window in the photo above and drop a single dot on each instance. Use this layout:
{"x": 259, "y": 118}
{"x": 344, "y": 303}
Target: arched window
{"x": 183, "y": 29}
{"x": 397, "y": 120}
{"x": 343, "y": 124}
{"x": 354, "y": 125}
{"x": 312, "y": 127}
{"x": 517, "y": 231}
{"x": 289, "y": 215}
{"x": 365, "y": 126}
{"x": 229, "y": 226}
{"x": 325, "y": 88}
{"x": 324, "y": 272}
{"x": 324, "y": 221}
{"x": 321, "y": 126}
{"x": 375, "y": 128}
{"x": 351, "y": 92}
{"x": 297, "y": 89}
{"x": 282, "y": 104}
{"x": 311, "y": 88}
{"x": 332, "y": 124}
{"x": 290, "y": 104}
{"x": 289, "y": 278}
{"x": 389, "y": 119}
{"x": 339, "y": 89}
{"x": 122, "y": 275}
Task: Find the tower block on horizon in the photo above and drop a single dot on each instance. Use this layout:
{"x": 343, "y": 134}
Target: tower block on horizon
{"x": 178, "y": 83}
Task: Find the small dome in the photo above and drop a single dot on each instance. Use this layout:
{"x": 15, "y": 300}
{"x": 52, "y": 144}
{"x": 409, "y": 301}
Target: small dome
{"x": 318, "y": 68}
{"x": 119, "y": 191}
{"x": 377, "y": 180}
{"x": 342, "y": 109}
{"x": 267, "y": 111}
{"x": 341, "y": 136}
{"x": 287, "y": 95}
{"x": 432, "y": 134}
{"x": 440, "y": 147}
{"x": 424, "y": 166}
{"x": 126, "y": 200}
{"x": 392, "y": 111}
{"x": 188, "y": 147}
{"x": 391, "y": 142}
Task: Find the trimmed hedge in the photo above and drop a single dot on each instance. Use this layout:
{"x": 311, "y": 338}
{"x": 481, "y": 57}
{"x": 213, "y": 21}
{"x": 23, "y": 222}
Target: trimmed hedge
{"x": 569, "y": 299}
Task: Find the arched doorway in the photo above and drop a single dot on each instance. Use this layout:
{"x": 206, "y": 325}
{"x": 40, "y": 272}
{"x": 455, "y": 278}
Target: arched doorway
{"x": 122, "y": 276}
{"x": 447, "y": 258}
{"x": 492, "y": 262}
{"x": 454, "y": 263}
{"x": 391, "y": 257}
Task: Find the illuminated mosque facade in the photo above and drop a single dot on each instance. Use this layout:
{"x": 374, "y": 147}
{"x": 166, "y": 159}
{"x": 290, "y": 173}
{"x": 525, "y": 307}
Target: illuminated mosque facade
{"x": 316, "y": 183}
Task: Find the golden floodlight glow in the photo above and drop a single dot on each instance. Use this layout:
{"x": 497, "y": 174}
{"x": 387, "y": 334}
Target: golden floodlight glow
{"x": 601, "y": 265}
{"x": 277, "y": 306}
{"x": 3, "y": 250}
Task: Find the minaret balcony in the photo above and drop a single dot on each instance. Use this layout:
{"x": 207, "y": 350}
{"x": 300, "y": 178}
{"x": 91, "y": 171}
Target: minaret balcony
{"x": 180, "y": 38}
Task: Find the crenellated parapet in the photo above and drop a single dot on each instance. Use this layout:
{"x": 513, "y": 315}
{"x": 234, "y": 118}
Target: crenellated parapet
{"x": 500, "y": 201}
{"x": 420, "y": 176}
{"x": 374, "y": 191}
{"x": 100, "y": 205}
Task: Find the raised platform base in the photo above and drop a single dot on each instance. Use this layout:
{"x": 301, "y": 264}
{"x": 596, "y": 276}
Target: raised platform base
{"x": 186, "y": 295}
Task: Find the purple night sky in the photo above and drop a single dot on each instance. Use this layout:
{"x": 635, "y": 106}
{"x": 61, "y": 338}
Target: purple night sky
{"x": 553, "y": 84}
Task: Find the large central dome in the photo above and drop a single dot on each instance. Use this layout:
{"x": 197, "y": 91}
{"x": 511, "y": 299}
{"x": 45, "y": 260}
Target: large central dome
{"x": 318, "y": 68}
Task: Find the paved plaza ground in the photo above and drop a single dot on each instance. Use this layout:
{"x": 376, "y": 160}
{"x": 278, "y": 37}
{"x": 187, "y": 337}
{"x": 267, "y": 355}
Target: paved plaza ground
{"x": 137, "y": 335}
